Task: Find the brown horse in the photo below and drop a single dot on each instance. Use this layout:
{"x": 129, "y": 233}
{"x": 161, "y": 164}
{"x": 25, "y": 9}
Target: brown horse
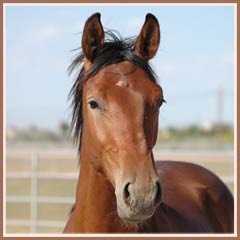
{"x": 116, "y": 102}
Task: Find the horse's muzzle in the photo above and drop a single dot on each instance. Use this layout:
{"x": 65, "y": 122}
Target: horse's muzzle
{"x": 135, "y": 203}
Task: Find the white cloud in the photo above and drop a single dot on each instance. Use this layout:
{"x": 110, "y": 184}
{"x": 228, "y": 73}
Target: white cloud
{"x": 18, "y": 60}
{"x": 42, "y": 34}
{"x": 165, "y": 70}
{"x": 49, "y": 30}
{"x": 167, "y": 67}
{"x": 135, "y": 23}
{"x": 78, "y": 26}
{"x": 228, "y": 59}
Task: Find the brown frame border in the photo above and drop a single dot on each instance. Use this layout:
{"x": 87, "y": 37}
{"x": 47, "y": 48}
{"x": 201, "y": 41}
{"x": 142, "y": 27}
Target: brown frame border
{"x": 118, "y": 1}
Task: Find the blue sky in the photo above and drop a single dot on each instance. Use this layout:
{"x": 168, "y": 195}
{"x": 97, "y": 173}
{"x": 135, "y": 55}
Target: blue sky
{"x": 195, "y": 59}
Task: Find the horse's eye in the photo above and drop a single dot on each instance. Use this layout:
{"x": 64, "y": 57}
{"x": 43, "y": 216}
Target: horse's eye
{"x": 161, "y": 102}
{"x": 93, "y": 104}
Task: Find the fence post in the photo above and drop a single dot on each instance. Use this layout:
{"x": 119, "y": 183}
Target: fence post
{"x": 34, "y": 192}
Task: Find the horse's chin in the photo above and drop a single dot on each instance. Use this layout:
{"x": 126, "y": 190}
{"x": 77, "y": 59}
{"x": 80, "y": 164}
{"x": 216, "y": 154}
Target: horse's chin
{"x": 129, "y": 216}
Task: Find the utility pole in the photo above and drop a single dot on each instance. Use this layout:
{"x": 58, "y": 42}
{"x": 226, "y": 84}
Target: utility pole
{"x": 220, "y": 101}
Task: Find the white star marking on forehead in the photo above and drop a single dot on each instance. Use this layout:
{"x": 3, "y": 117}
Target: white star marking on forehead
{"x": 122, "y": 83}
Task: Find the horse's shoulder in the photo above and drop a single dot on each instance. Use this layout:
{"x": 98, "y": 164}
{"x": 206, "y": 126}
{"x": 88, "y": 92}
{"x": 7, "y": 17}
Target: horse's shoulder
{"x": 196, "y": 187}
{"x": 184, "y": 170}
{"x": 192, "y": 176}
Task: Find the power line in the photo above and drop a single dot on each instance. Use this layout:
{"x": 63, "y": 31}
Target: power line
{"x": 198, "y": 96}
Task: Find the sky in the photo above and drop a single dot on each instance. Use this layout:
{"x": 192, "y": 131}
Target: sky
{"x": 195, "y": 60}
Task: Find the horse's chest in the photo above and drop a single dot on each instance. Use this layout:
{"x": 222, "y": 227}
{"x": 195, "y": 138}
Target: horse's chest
{"x": 168, "y": 220}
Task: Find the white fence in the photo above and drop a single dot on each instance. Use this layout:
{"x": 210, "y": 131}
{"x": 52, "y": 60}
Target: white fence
{"x": 34, "y": 199}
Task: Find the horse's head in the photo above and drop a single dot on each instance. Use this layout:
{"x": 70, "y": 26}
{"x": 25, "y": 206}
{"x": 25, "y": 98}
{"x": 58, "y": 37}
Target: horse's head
{"x": 116, "y": 107}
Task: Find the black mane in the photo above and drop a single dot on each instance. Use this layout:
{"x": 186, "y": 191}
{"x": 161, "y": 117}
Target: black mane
{"x": 115, "y": 49}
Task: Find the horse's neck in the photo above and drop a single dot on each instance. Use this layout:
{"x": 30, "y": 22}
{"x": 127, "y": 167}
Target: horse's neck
{"x": 95, "y": 209}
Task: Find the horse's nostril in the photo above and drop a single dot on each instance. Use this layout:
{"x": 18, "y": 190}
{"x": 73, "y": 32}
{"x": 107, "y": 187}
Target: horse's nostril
{"x": 126, "y": 193}
{"x": 158, "y": 197}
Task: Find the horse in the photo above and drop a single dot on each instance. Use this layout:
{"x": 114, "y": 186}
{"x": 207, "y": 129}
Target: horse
{"x": 121, "y": 188}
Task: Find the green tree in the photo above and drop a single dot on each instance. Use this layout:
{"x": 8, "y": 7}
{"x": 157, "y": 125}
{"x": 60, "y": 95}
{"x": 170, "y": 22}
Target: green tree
{"x": 64, "y": 128}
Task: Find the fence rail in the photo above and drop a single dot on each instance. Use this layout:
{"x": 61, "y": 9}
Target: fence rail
{"x": 42, "y": 175}
{"x": 39, "y": 223}
{"x": 22, "y": 199}
{"x": 34, "y": 199}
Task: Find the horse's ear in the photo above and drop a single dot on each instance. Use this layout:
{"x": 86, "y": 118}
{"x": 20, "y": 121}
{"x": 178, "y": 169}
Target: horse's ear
{"x": 93, "y": 37}
{"x": 149, "y": 38}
